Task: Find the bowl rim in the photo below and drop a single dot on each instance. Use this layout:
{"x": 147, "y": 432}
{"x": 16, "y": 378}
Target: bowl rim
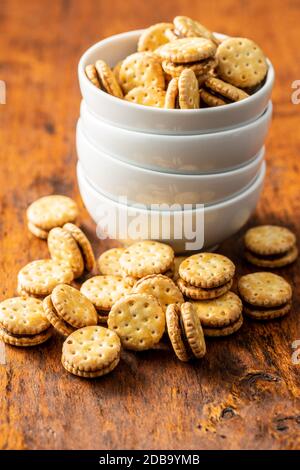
{"x": 175, "y": 176}
{"x": 267, "y": 113}
{"x": 258, "y": 181}
{"x": 149, "y": 109}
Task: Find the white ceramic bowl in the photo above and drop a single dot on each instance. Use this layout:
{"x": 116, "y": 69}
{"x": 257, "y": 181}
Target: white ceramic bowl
{"x": 203, "y": 153}
{"x": 220, "y": 221}
{"x": 115, "y": 178}
{"x": 122, "y": 113}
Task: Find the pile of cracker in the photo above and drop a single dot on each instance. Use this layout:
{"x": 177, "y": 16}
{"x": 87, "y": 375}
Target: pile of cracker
{"x": 132, "y": 296}
{"x": 183, "y": 65}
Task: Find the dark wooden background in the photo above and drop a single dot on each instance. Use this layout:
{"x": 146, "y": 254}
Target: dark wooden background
{"x": 245, "y": 392}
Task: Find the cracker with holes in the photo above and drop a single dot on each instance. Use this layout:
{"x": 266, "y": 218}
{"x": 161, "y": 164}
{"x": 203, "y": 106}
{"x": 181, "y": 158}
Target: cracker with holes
{"x": 141, "y": 69}
{"x": 270, "y": 246}
{"x": 153, "y": 37}
{"x": 241, "y": 62}
{"x": 139, "y": 321}
{"x": 91, "y": 352}
{"x": 199, "y": 293}
{"x": 104, "y": 291}
{"x": 23, "y": 323}
{"x": 188, "y": 90}
{"x": 187, "y": 27}
{"x": 265, "y": 295}
{"x": 68, "y": 309}
{"x": 63, "y": 248}
{"x": 49, "y": 212}
{"x": 109, "y": 263}
{"x": 187, "y": 50}
{"x": 83, "y": 244}
{"x": 116, "y": 71}
{"x": 147, "y": 257}
{"x": 147, "y": 96}
{"x": 107, "y": 79}
{"x": 207, "y": 270}
{"x": 200, "y": 69}
{"x": 176, "y": 333}
{"x": 210, "y": 99}
{"x": 185, "y": 331}
{"x": 161, "y": 287}
{"x": 171, "y": 94}
{"x": 92, "y": 75}
{"x": 220, "y": 316}
{"x": 39, "y": 277}
{"x": 223, "y": 91}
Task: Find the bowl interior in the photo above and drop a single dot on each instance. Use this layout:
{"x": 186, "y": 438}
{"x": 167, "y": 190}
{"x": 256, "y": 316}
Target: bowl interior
{"x": 117, "y": 47}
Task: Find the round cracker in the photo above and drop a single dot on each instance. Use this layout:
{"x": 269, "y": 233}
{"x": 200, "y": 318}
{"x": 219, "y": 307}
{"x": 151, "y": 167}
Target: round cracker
{"x": 199, "y": 68}
{"x": 146, "y": 257}
{"x": 226, "y": 330}
{"x": 171, "y": 94}
{"x": 104, "y": 291}
{"x": 207, "y": 270}
{"x": 58, "y": 323}
{"x": 25, "y": 341}
{"x": 193, "y": 329}
{"x": 210, "y": 99}
{"x": 91, "y": 351}
{"x": 73, "y": 306}
{"x": 269, "y": 240}
{"x": 23, "y": 316}
{"x": 141, "y": 70}
{"x": 175, "y": 332}
{"x": 191, "y": 28}
{"x": 22, "y": 293}
{"x": 90, "y": 375}
{"x": 187, "y": 50}
{"x": 108, "y": 80}
{"x": 264, "y": 289}
{"x": 188, "y": 90}
{"x": 241, "y": 62}
{"x": 37, "y": 232}
{"x": 171, "y": 34}
{"x": 219, "y": 312}
{"x": 225, "y": 89}
{"x": 92, "y": 75}
{"x": 153, "y": 37}
{"x": 198, "y": 293}
{"x": 109, "y": 262}
{"x": 52, "y": 211}
{"x": 64, "y": 248}
{"x": 41, "y": 276}
{"x": 288, "y": 258}
{"x": 161, "y": 287}
{"x": 145, "y": 96}
{"x": 139, "y": 320}
{"x": 84, "y": 245}
{"x": 269, "y": 314}
{"x": 177, "y": 262}
{"x": 116, "y": 71}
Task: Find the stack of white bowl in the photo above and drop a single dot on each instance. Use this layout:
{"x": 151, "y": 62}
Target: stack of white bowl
{"x": 146, "y": 156}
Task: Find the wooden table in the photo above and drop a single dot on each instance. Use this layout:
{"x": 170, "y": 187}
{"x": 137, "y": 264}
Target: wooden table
{"x": 245, "y": 392}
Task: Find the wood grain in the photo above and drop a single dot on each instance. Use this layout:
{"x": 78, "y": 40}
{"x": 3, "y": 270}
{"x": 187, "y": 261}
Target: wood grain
{"x": 245, "y": 392}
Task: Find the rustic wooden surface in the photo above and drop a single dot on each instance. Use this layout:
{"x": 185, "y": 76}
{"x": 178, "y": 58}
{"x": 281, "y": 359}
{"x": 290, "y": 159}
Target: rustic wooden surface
{"x": 245, "y": 392}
